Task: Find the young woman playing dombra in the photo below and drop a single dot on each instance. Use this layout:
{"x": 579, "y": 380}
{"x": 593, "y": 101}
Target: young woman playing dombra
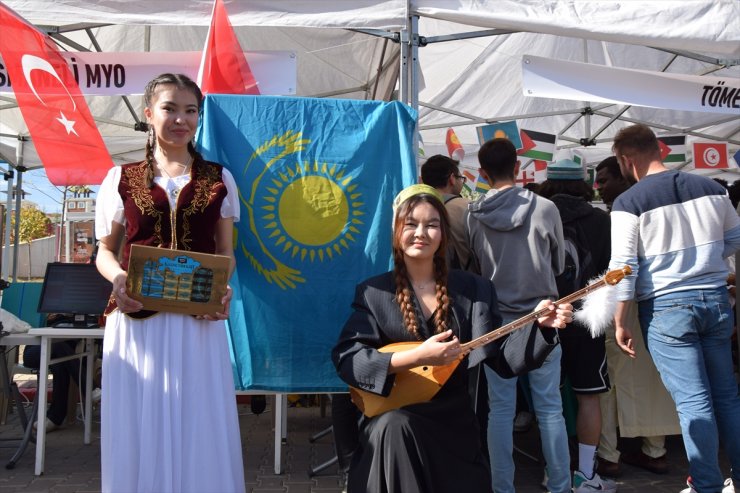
{"x": 433, "y": 446}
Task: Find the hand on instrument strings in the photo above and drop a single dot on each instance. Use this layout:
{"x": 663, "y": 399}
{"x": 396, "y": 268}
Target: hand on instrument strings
{"x": 222, "y": 315}
{"x": 124, "y": 303}
{"x": 438, "y": 350}
{"x": 623, "y": 338}
{"x": 558, "y": 317}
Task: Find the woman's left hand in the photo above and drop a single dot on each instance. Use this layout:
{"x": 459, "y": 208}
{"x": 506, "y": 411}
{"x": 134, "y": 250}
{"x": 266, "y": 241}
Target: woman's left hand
{"x": 558, "y": 317}
{"x": 223, "y": 315}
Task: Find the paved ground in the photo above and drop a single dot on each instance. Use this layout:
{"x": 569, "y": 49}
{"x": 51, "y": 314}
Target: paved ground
{"x": 74, "y": 467}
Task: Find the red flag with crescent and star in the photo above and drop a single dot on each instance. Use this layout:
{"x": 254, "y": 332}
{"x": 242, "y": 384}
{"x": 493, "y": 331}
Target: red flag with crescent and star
{"x": 224, "y": 68}
{"x": 56, "y": 114}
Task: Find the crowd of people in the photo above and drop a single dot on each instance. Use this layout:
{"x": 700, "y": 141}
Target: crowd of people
{"x": 663, "y": 365}
{"x": 460, "y": 270}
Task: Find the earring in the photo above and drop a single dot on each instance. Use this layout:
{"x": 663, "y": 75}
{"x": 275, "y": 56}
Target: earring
{"x": 150, "y": 136}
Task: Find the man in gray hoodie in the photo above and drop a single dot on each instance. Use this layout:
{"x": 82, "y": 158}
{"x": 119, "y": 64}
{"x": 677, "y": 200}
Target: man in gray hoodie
{"x": 516, "y": 238}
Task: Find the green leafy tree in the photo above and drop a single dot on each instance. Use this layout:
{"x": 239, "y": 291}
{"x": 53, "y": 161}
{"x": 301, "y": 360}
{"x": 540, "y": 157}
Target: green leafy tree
{"x": 34, "y": 224}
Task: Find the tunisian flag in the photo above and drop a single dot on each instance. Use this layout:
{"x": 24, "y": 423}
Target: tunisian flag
{"x": 56, "y": 114}
{"x": 224, "y": 68}
{"x": 710, "y": 155}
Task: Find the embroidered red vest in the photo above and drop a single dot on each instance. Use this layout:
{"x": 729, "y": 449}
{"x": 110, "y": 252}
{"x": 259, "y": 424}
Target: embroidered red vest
{"x": 151, "y": 221}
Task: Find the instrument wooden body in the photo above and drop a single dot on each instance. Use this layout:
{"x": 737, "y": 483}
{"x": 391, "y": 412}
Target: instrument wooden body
{"x": 421, "y": 383}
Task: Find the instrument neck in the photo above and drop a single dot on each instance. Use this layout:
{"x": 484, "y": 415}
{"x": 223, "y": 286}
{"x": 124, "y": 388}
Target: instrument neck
{"x": 527, "y": 319}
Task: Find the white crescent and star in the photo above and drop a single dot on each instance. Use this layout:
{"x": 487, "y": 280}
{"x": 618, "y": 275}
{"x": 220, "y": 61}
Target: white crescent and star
{"x": 31, "y": 63}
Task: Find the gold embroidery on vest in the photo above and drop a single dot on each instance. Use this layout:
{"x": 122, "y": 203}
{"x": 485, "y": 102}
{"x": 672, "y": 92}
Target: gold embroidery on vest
{"x": 205, "y": 186}
{"x": 142, "y": 196}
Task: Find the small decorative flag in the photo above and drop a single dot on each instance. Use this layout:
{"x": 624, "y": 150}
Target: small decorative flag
{"x": 454, "y": 147}
{"x": 537, "y": 145}
{"x": 482, "y": 185}
{"x": 591, "y": 176}
{"x": 224, "y": 68}
{"x": 524, "y": 177}
{"x": 540, "y": 170}
{"x": 506, "y": 130}
{"x": 710, "y": 155}
{"x": 579, "y": 158}
{"x": 672, "y": 149}
{"x": 471, "y": 179}
{"x": 737, "y": 158}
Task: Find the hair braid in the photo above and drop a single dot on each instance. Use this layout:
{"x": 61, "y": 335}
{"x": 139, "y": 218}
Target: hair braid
{"x": 403, "y": 297}
{"x": 443, "y": 300}
{"x": 149, "y": 153}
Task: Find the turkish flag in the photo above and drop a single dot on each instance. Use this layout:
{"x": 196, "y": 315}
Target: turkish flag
{"x": 56, "y": 114}
{"x": 454, "y": 147}
{"x": 224, "y": 68}
{"x": 710, "y": 155}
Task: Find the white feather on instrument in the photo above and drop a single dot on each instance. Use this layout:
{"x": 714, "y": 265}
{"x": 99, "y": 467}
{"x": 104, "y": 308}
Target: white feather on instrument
{"x": 598, "y": 308}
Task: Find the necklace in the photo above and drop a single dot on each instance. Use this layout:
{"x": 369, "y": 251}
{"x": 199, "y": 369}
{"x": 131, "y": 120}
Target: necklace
{"x": 172, "y": 189}
{"x": 183, "y": 166}
{"x": 423, "y": 286}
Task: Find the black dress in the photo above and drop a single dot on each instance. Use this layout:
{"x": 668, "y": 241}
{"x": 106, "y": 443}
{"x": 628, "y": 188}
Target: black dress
{"x": 430, "y": 447}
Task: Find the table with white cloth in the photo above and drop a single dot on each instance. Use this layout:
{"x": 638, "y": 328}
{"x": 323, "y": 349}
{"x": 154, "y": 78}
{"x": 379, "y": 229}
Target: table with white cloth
{"x": 46, "y": 336}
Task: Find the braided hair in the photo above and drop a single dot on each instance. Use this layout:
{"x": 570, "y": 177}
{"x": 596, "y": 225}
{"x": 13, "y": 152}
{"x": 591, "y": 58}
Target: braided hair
{"x": 180, "y": 81}
{"x": 403, "y": 287}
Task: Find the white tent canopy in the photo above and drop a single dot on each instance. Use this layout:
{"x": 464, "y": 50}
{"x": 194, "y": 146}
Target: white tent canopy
{"x": 351, "y": 49}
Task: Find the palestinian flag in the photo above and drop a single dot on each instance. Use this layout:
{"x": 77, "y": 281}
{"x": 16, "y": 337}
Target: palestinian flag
{"x": 537, "y": 145}
{"x": 672, "y": 149}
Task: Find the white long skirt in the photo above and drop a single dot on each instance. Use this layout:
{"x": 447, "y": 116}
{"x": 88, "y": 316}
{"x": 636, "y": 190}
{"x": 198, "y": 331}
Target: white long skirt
{"x": 168, "y": 412}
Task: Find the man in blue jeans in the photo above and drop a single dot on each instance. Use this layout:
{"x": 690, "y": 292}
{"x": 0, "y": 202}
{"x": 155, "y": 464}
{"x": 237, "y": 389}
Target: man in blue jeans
{"x": 674, "y": 229}
{"x": 516, "y": 240}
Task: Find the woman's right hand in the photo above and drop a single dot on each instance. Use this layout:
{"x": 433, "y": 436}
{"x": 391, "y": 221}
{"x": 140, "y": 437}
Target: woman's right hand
{"x": 437, "y": 351}
{"x": 124, "y": 303}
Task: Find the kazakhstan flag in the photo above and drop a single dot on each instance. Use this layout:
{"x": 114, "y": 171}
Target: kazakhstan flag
{"x": 316, "y": 180}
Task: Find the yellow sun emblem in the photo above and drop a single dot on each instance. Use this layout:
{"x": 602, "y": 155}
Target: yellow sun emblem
{"x": 298, "y": 212}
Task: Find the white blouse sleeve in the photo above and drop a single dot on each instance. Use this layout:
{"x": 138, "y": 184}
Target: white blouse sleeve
{"x": 108, "y": 205}
{"x": 230, "y": 207}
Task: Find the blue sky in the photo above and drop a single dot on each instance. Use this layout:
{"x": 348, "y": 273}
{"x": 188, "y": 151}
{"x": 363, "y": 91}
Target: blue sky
{"x": 47, "y": 196}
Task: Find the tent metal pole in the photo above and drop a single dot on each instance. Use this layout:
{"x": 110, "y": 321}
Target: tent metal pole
{"x": 403, "y": 79}
{"x": 414, "y": 63}
{"x": 8, "y": 221}
{"x": 668, "y": 127}
{"x": 491, "y": 120}
{"x": 18, "y": 196}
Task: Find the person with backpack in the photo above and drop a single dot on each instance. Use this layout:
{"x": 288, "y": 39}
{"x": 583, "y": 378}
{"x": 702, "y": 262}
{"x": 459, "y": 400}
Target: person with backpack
{"x": 586, "y": 233}
{"x": 516, "y": 239}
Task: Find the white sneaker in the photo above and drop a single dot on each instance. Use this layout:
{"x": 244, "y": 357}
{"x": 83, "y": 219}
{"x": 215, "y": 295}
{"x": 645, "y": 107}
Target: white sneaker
{"x": 50, "y": 426}
{"x": 729, "y": 487}
{"x": 581, "y": 484}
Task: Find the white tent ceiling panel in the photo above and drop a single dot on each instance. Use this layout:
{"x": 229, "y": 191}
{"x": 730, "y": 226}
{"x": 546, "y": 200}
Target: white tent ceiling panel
{"x": 364, "y": 14}
{"x": 709, "y": 26}
{"x": 489, "y": 88}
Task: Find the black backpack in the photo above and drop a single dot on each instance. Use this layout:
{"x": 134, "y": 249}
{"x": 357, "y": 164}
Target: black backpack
{"x": 579, "y": 265}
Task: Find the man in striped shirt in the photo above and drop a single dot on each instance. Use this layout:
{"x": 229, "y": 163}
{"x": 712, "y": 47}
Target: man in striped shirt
{"x": 674, "y": 229}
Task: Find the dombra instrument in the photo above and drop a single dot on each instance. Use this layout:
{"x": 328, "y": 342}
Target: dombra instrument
{"x": 421, "y": 383}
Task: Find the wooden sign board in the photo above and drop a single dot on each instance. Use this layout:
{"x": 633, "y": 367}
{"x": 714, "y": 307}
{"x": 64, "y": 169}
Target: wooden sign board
{"x": 177, "y": 281}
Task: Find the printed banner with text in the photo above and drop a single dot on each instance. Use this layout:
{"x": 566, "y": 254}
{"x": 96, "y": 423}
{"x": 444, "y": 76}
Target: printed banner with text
{"x": 562, "y": 79}
{"x": 126, "y": 73}
{"x": 316, "y": 181}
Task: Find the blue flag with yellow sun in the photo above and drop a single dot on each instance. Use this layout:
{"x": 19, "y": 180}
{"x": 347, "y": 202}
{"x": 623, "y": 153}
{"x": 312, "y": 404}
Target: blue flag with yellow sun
{"x": 316, "y": 180}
